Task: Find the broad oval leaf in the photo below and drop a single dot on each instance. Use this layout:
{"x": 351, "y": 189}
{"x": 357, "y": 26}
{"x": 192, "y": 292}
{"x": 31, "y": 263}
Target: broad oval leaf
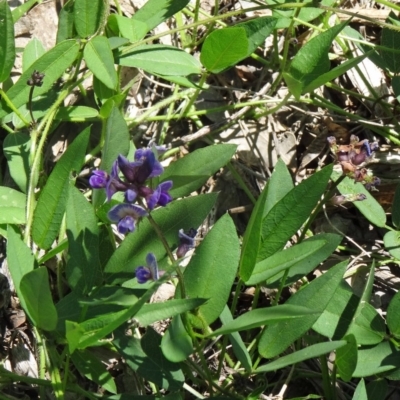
{"x": 100, "y": 61}
{"x": 88, "y": 16}
{"x": 346, "y": 358}
{"x": 161, "y": 60}
{"x": 91, "y": 366}
{"x": 224, "y": 48}
{"x": 16, "y": 149}
{"x": 33, "y": 51}
{"x": 393, "y": 315}
{"x": 392, "y": 243}
{"x": 52, "y": 64}
{"x": 145, "y": 356}
{"x": 7, "y": 42}
{"x": 35, "y": 290}
{"x": 12, "y": 206}
{"x": 216, "y": 261}
{"x": 390, "y": 39}
{"x": 176, "y": 343}
{"x": 374, "y": 360}
{"x": 369, "y": 207}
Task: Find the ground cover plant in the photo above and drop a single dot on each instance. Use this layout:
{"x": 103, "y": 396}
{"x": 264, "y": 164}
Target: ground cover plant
{"x": 240, "y": 156}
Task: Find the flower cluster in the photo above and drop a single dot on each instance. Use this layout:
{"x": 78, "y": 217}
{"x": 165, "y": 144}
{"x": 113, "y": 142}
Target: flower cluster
{"x": 131, "y": 178}
{"x": 353, "y": 158}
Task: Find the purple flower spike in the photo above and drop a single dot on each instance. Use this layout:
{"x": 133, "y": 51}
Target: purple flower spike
{"x": 160, "y": 196}
{"x": 147, "y": 155}
{"x": 143, "y": 274}
{"x": 186, "y": 241}
{"x": 99, "y": 179}
{"x": 126, "y": 215}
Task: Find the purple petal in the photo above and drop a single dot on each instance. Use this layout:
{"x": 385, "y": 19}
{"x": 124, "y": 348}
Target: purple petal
{"x": 152, "y": 200}
{"x": 130, "y": 195}
{"x": 122, "y": 210}
{"x": 152, "y": 265}
{"x": 142, "y": 274}
{"x": 126, "y": 224}
{"x": 99, "y": 179}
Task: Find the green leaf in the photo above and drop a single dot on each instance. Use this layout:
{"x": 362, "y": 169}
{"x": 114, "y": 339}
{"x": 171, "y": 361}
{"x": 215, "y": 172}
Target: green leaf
{"x": 311, "y": 61}
{"x": 100, "y": 61}
{"x": 346, "y": 358}
{"x": 32, "y": 52}
{"x": 257, "y": 30}
{"x": 147, "y": 360}
{"x": 287, "y": 216}
{"x": 252, "y": 237}
{"x": 88, "y": 16}
{"x": 91, "y": 367}
{"x": 374, "y": 360}
{"x": 192, "y": 171}
{"x": 238, "y": 346}
{"x": 129, "y": 28}
{"x": 52, "y": 64}
{"x": 160, "y": 59}
{"x": 277, "y": 187}
{"x": 315, "y": 296}
{"x": 313, "y": 351}
{"x": 51, "y": 205}
{"x": 306, "y": 265}
{"x": 361, "y": 393}
{"x": 66, "y": 26}
{"x": 334, "y": 73}
{"x": 396, "y": 208}
{"x": 12, "y": 206}
{"x": 224, "y": 48}
{"x": 393, "y": 315}
{"x": 76, "y": 113}
{"x": 7, "y": 42}
{"x": 83, "y": 264}
{"x": 19, "y": 11}
{"x": 16, "y": 150}
{"x": 392, "y": 243}
{"x": 286, "y": 259}
{"x": 176, "y": 344}
{"x": 116, "y": 142}
{"x": 154, "y": 12}
{"x": 154, "y": 312}
{"x": 377, "y": 389}
{"x": 19, "y": 256}
{"x": 369, "y": 207}
{"x": 264, "y": 316}
{"x": 336, "y": 318}
{"x": 391, "y": 40}
{"x": 183, "y": 214}
{"x": 367, "y": 325}
{"x": 35, "y": 290}
{"x": 216, "y": 261}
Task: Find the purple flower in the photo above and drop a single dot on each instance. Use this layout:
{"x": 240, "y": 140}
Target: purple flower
{"x": 143, "y": 274}
{"x": 99, "y": 179}
{"x": 186, "y": 241}
{"x": 160, "y": 196}
{"x": 126, "y": 216}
